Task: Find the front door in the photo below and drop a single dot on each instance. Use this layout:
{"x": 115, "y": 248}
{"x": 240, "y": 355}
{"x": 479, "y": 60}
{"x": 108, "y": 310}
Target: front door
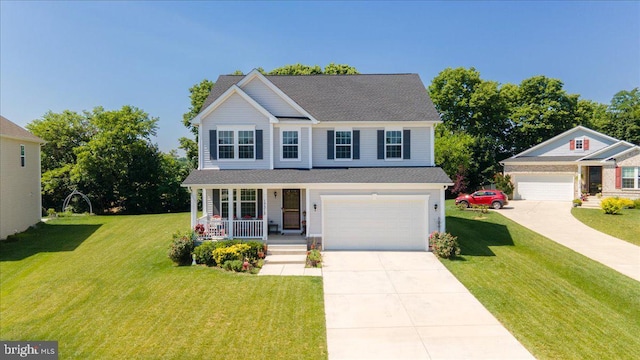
{"x": 291, "y": 209}
{"x": 595, "y": 179}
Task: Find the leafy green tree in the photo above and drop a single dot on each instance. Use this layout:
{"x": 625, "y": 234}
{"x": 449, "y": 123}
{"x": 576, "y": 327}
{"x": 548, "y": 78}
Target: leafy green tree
{"x": 591, "y": 114}
{"x": 340, "y": 69}
{"x": 539, "y": 110}
{"x": 197, "y": 94}
{"x": 297, "y": 69}
{"x": 453, "y": 150}
{"x": 624, "y": 116}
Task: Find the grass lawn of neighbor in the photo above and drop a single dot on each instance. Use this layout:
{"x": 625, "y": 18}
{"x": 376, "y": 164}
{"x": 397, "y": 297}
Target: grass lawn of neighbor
{"x": 625, "y": 226}
{"x": 103, "y": 287}
{"x": 558, "y": 303}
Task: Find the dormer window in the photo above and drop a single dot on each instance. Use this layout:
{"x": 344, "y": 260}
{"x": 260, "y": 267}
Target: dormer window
{"x": 579, "y": 144}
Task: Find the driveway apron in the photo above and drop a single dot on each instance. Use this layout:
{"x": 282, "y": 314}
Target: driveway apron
{"x": 553, "y": 220}
{"x": 406, "y": 305}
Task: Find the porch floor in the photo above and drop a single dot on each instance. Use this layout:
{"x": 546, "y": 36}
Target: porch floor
{"x": 286, "y": 239}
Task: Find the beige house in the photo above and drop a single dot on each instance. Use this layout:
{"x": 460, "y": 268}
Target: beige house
{"x": 20, "y": 199}
{"x": 576, "y": 163}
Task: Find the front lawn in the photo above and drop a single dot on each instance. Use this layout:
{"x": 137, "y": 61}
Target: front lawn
{"x": 103, "y": 287}
{"x": 558, "y": 303}
{"x": 625, "y": 226}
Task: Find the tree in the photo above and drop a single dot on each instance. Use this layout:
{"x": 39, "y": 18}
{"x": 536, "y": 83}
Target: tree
{"x": 197, "y": 94}
{"x": 453, "y": 150}
{"x": 539, "y": 110}
{"x": 624, "y": 116}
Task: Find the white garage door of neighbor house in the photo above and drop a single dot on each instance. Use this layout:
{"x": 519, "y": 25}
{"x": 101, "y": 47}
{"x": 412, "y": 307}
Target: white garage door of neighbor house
{"x": 544, "y": 187}
{"x": 374, "y": 223}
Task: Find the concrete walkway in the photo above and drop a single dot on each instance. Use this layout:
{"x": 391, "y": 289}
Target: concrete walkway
{"x": 406, "y": 305}
{"x": 553, "y": 220}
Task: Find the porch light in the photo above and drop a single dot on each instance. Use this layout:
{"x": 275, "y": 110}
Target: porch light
{"x": 275, "y": 194}
{"x": 315, "y": 206}
{"x": 435, "y": 207}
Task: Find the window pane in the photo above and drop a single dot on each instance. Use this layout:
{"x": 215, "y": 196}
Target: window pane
{"x": 628, "y": 172}
{"x": 343, "y": 152}
{"x": 247, "y": 195}
{"x": 394, "y": 137}
{"x": 224, "y": 212}
{"x": 289, "y": 137}
{"x": 290, "y": 152}
{"x": 343, "y": 137}
{"x": 225, "y": 152}
{"x": 394, "y": 151}
{"x": 245, "y": 152}
{"x": 245, "y": 137}
{"x": 225, "y": 137}
{"x": 627, "y": 183}
{"x": 248, "y": 209}
{"x": 578, "y": 144}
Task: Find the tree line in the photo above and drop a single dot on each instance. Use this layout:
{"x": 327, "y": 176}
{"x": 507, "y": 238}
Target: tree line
{"x": 109, "y": 155}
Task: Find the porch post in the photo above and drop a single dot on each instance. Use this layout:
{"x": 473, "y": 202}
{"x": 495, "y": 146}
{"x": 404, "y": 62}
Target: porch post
{"x": 265, "y": 215}
{"x": 194, "y": 206}
{"x": 205, "y": 210}
{"x": 579, "y": 181}
{"x": 308, "y": 210}
{"x": 231, "y": 200}
{"x": 442, "y": 215}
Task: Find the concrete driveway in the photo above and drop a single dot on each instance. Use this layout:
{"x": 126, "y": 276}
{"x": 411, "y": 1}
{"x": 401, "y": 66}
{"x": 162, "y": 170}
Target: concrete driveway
{"x": 406, "y": 305}
{"x": 553, "y": 219}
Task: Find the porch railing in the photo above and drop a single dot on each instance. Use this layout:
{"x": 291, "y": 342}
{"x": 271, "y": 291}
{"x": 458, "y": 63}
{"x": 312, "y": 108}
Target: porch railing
{"x": 216, "y": 228}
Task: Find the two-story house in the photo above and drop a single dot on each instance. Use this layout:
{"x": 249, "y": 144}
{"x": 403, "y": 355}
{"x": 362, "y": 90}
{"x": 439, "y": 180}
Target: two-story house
{"x": 345, "y": 159}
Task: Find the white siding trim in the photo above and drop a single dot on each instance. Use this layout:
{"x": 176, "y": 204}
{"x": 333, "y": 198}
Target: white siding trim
{"x": 432, "y": 139}
{"x": 310, "y": 147}
{"x": 234, "y": 89}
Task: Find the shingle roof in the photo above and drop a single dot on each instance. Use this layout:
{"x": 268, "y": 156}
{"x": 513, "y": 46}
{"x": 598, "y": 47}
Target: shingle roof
{"x": 365, "y": 97}
{"x": 11, "y": 130}
{"x": 380, "y": 175}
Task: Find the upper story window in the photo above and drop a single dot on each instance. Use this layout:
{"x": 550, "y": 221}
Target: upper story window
{"x": 290, "y": 145}
{"x": 236, "y": 144}
{"x": 631, "y": 177}
{"x": 22, "y": 156}
{"x": 343, "y": 145}
{"x": 393, "y": 144}
{"x": 579, "y": 144}
{"x": 246, "y": 144}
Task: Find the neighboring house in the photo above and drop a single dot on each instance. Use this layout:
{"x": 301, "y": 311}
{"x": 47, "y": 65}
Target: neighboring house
{"x": 20, "y": 200}
{"x": 346, "y": 159}
{"x": 576, "y": 162}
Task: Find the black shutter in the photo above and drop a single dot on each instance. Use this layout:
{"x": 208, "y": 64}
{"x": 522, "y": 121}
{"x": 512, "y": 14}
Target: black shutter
{"x": 213, "y": 145}
{"x": 216, "y": 202}
{"x": 259, "y": 202}
{"x": 356, "y": 144}
{"x": 258, "y": 144}
{"x": 406, "y": 144}
{"x": 330, "y": 141}
{"x": 381, "y": 144}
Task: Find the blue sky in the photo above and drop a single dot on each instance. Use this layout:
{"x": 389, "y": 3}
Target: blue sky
{"x": 78, "y": 55}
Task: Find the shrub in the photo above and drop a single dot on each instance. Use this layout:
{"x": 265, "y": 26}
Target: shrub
{"x": 444, "y": 245}
{"x": 255, "y": 247}
{"x": 51, "y": 212}
{"x": 503, "y": 182}
{"x": 204, "y": 253}
{"x": 233, "y": 265}
{"x": 577, "y": 202}
{"x": 314, "y": 258}
{"x": 626, "y": 203}
{"x": 461, "y": 207}
{"x": 181, "y": 247}
{"x": 234, "y": 252}
{"x": 636, "y": 203}
{"x": 484, "y": 209}
{"x": 611, "y": 206}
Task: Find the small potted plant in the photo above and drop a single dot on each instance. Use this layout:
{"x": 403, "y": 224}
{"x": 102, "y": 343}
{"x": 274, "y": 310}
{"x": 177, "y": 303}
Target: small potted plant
{"x": 577, "y": 202}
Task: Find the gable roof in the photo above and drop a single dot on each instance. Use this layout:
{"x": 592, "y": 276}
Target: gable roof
{"x": 365, "y": 97}
{"x": 380, "y": 175}
{"x": 233, "y": 89}
{"x": 11, "y": 130}
{"x": 524, "y": 156}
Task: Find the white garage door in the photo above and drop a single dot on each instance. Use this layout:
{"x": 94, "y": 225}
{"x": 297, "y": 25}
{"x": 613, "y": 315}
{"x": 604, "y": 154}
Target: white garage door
{"x": 374, "y": 223}
{"x": 544, "y": 187}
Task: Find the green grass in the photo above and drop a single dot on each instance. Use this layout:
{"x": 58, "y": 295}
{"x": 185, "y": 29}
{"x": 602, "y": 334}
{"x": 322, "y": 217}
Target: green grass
{"x": 557, "y": 303}
{"x": 625, "y": 226}
{"x": 103, "y": 287}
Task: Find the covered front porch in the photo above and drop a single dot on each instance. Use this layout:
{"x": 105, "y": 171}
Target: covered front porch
{"x": 590, "y": 180}
{"x": 249, "y": 213}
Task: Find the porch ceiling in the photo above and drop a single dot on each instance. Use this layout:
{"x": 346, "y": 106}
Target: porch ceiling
{"x": 393, "y": 175}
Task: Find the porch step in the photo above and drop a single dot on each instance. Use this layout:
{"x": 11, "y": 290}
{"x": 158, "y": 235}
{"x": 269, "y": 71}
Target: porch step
{"x": 592, "y": 202}
{"x": 286, "y": 259}
{"x": 276, "y": 249}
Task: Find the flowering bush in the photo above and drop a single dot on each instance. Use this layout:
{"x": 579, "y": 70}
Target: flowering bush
{"x": 234, "y": 252}
{"x": 444, "y": 245}
{"x": 199, "y": 229}
{"x": 314, "y": 258}
{"x": 181, "y": 247}
{"x": 611, "y": 206}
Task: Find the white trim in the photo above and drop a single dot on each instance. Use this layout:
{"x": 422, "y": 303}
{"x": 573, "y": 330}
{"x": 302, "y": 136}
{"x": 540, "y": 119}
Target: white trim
{"x": 234, "y": 89}
{"x": 333, "y": 186}
{"x": 375, "y": 124}
{"x": 432, "y": 139}
{"x": 335, "y": 144}
{"x": 235, "y": 129}
{"x": 200, "y": 149}
{"x": 256, "y": 74}
{"x": 570, "y": 131}
{"x": 401, "y": 130}
{"x": 605, "y": 149}
{"x": 271, "y": 147}
{"x": 311, "y": 147}
{"x": 575, "y": 143}
{"x": 624, "y": 152}
{"x": 299, "y": 145}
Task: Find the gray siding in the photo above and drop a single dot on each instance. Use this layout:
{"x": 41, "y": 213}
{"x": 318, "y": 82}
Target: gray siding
{"x": 560, "y": 147}
{"x": 269, "y": 99}
{"x": 303, "y": 150}
{"x": 235, "y": 111}
{"x": 420, "y": 149}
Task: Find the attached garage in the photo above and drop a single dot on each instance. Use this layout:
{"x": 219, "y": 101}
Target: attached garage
{"x": 544, "y": 187}
{"x": 375, "y": 222}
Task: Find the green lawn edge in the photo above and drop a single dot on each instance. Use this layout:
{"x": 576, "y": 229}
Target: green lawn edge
{"x": 556, "y": 302}
{"x": 624, "y": 226}
{"x": 103, "y": 287}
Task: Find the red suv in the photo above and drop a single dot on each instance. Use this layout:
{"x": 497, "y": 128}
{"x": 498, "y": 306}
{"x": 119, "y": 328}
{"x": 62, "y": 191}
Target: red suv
{"x": 494, "y": 198}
